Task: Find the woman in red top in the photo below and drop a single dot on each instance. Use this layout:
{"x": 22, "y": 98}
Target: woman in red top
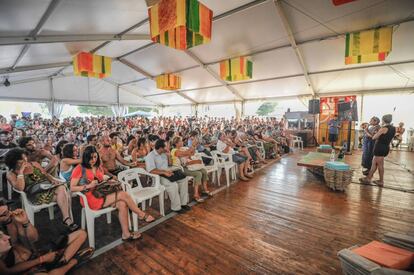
{"x": 89, "y": 174}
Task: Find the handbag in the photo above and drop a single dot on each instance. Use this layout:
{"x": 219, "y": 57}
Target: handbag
{"x": 177, "y": 175}
{"x": 40, "y": 187}
{"x": 106, "y": 188}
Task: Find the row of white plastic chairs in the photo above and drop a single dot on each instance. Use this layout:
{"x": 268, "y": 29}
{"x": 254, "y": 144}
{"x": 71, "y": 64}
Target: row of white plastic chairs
{"x": 220, "y": 161}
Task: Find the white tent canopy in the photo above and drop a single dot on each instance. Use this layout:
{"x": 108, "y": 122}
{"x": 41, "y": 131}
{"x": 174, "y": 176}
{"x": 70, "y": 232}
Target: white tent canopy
{"x": 39, "y": 38}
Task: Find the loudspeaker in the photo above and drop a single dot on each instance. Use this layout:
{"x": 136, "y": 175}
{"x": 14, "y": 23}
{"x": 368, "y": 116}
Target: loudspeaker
{"x": 314, "y": 106}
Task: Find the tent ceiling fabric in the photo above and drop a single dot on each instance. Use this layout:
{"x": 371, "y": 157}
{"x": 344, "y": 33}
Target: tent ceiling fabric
{"x": 256, "y": 31}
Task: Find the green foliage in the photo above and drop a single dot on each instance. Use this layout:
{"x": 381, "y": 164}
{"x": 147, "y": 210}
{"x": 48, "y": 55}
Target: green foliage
{"x": 95, "y": 110}
{"x": 266, "y": 108}
{"x": 142, "y": 109}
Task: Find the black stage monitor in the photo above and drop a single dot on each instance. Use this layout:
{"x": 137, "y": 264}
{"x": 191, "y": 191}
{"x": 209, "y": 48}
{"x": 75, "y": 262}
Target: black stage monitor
{"x": 314, "y": 106}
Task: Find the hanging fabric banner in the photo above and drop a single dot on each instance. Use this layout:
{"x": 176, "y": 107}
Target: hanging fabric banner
{"x": 236, "y": 69}
{"x": 180, "y": 24}
{"x": 168, "y": 82}
{"x": 91, "y": 65}
{"x": 368, "y": 46}
{"x": 341, "y": 2}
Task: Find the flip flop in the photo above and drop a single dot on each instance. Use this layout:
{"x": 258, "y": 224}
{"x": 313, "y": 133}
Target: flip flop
{"x": 133, "y": 236}
{"x": 207, "y": 193}
{"x": 84, "y": 254}
{"x": 145, "y": 218}
{"x": 199, "y": 200}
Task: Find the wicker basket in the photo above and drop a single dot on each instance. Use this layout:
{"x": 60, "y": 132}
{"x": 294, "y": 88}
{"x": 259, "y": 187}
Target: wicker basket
{"x": 327, "y": 150}
{"x": 337, "y": 180}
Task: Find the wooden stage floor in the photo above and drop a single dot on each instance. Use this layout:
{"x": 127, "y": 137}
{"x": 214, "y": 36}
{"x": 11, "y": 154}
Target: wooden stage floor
{"x": 285, "y": 221}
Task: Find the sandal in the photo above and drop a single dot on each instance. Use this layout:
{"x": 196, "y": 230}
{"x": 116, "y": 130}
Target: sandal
{"x": 147, "y": 218}
{"x": 198, "y": 199}
{"x": 84, "y": 255}
{"x": 379, "y": 183}
{"x": 57, "y": 261}
{"x": 207, "y": 193}
{"x": 72, "y": 227}
{"x": 133, "y": 236}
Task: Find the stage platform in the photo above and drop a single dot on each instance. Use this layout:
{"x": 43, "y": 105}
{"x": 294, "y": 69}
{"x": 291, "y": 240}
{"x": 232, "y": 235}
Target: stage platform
{"x": 285, "y": 221}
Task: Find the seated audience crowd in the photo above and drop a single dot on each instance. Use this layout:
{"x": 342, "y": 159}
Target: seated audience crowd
{"x": 80, "y": 154}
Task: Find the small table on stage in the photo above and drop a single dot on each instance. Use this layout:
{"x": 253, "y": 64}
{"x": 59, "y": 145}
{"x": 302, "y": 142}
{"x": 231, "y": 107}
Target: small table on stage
{"x": 315, "y": 162}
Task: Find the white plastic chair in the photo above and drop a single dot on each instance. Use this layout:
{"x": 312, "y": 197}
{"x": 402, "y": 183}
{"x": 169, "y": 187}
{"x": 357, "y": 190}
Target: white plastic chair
{"x": 31, "y": 209}
{"x": 90, "y": 215}
{"x": 213, "y": 168}
{"x": 9, "y": 186}
{"x": 225, "y": 162}
{"x": 297, "y": 141}
{"x": 141, "y": 194}
{"x": 261, "y": 148}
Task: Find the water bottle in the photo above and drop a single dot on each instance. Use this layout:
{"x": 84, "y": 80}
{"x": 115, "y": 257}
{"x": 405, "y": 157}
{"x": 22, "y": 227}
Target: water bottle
{"x": 341, "y": 154}
{"x": 332, "y": 155}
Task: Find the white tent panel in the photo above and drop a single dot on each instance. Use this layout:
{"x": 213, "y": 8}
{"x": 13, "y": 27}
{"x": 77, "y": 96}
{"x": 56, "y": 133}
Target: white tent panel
{"x": 71, "y": 88}
{"x": 122, "y": 73}
{"x": 406, "y": 71}
{"x": 330, "y": 54}
{"x": 303, "y": 27}
{"x": 83, "y": 89}
{"x": 54, "y": 53}
{"x": 197, "y": 78}
{"x": 210, "y": 95}
{"x": 145, "y": 87}
{"x": 118, "y": 48}
{"x": 102, "y": 91}
{"x": 20, "y": 17}
{"x": 325, "y": 54}
{"x": 9, "y": 54}
{"x": 129, "y": 98}
{"x": 95, "y": 16}
{"x": 272, "y": 88}
{"x": 68, "y": 70}
{"x": 357, "y": 80}
{"x": 345, "y": 18}
{"x": 378, "y": 14}
{"x": 275, "y": 63}
{"x": 402, "y": 43}
{"x": 159, "y": 59}
{"x": 169, "y": 99}
{"x": 31, "y": 74}
{"x": 234, "y": 35}
{"x": 219, "y": 6}
{"x": 143, "y": 29}
{"x": 34, "y": 90}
